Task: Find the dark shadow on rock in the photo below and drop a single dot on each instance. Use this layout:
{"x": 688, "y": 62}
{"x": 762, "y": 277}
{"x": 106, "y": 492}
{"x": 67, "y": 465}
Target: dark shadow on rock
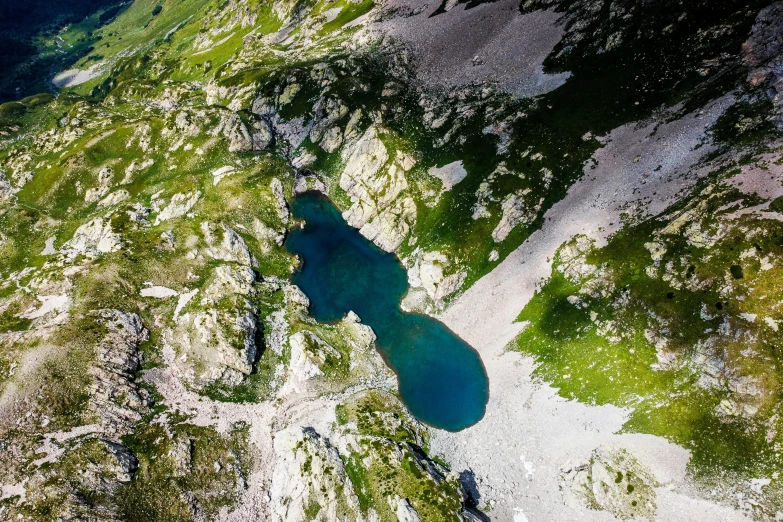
{"x": 472, "y": 495}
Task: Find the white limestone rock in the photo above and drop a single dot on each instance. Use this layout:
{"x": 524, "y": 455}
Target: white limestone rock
{"x": 517, "y": 210}
{"x": 379, "y": 211}
{"x": 222, "y": 172}
{"x": 179, "y": 206}
{"x": 403, "y": 509}
{"x": 115, "y": 198}
{"x": 325, "y": 484}
{"x": 94, "y": 238}
{"x": 226, "y": 245}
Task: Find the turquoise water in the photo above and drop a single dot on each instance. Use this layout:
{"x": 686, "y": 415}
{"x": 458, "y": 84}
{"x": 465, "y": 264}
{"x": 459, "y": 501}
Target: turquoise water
{"x": 441, "y": 378}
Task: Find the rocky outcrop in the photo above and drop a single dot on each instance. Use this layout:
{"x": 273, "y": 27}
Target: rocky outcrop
{"x": 6, "y": 189}
{"x": 517, "y": 210}
{"x": 280, "y": 204}
{"x": 225, "y": 244}
{"x": 379, "y": 210}
{"x": 326, "y": 113}
{"x": 310, "y": 482}
{"x": 114, "y": 395}
{"x": 612, "y": 480}
{"x": 245, "y": 137}
{"x": 307, "y": 352}
{"x": 114, "y": 198}
{"x": 92, "y": 239}
{"x": 179, "y": 206}
{"x": 217, "y": 337}
{"x": 432, "y": 277}
{"x": 105, "y": 177}
{"x": 762, "y": 53}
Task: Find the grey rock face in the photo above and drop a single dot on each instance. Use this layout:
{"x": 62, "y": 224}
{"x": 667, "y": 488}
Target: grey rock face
{"x": 763, "y": 54}
{"x": 114, "y": 395}
{"x": 243, "y": 137}
{"x": 226, "y": 245}
{"x": 6, "y": 190}
{"x": 379, "y": 214}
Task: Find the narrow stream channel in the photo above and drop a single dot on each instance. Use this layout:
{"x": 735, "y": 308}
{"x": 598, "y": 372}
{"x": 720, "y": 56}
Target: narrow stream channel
{"x": 441, "y": 378}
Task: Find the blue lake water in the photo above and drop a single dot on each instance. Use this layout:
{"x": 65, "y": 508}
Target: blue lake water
{"x": 442, "y": 380}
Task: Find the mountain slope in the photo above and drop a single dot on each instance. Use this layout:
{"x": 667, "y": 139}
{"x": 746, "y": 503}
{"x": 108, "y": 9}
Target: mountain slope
{"x": 589, "y": 194}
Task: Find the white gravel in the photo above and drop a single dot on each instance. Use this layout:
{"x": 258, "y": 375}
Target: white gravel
{"x": 449, "y": 174}
{"x": 527, "y": 425}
